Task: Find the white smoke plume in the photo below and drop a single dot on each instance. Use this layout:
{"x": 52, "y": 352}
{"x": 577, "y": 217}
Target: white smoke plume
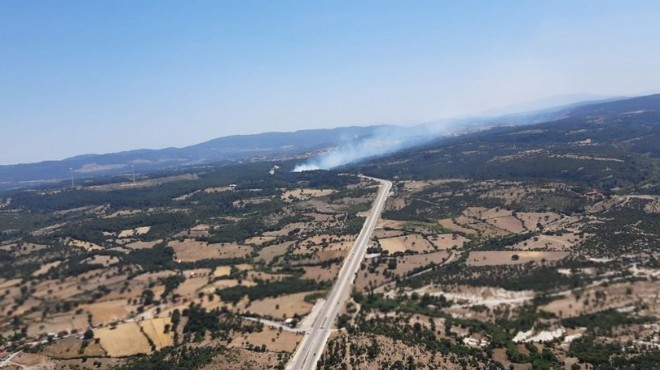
{"x": 384, "y": 140}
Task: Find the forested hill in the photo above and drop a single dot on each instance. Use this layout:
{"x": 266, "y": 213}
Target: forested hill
{"x": 606, "y": 146}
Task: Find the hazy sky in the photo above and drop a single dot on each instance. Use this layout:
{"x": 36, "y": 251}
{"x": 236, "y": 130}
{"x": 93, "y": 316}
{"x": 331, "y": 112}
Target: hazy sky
{"x": 100, "y": 76}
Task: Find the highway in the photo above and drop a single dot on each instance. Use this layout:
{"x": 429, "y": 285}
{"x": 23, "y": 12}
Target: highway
{"x": 311, "y": 347}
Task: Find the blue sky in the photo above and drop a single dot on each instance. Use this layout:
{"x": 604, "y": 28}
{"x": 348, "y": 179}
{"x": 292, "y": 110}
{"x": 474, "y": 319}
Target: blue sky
{"x": 100, "y": 76}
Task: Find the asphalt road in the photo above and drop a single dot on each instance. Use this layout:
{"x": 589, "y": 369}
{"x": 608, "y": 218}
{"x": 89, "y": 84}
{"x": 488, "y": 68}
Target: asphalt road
{"x": 311, "y": 347}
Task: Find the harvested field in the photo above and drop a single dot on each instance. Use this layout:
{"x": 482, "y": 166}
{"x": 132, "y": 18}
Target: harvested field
{"x": 104, "y": 312}
{"x": 269, "y": 253}
{"x": 273, "y": 339}
{"x": 155, "y": 329}
{"x": 305, "y": 194}
{"x": 390, "y": 233}
{"x": 58, "y": 324}
{"x": 413, "y": 242}
{"x": 68, "y": 348}
{"x": 88, "y": 246}
{"x": 281, "y": 307}
{"x": 530, "y": 219}
{"x": 102, "y": 260}
{"x": 222, "y": 271}
{"x": 134, "y": 232}
{"x": 190, "y": 287}
{"x": 191, "y": 250}
{"x": 508, "y": 223}
{"x": 143, "y": 245}
{"x": 549, "y": 242}
{"x": 448, "y": 241}
{"x": 492, "y": 258}
{"x": 124, "y": 340}
{"x": 46, "y": 267}
{"x": 319, "y": 273}
{"x": 259, "y": 240}
{"x": 449, "y": 224}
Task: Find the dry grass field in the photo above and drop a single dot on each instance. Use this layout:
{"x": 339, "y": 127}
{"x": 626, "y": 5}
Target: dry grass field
{"x": 155, "y": 329}
{"x": 493, "y": 258}
{"x": 190, "y": 250}
{"x": 412, "y": 242}
{"x": 449, "y": 224}
{"x": 58, "y": 324}
{"x": 69, "y": 347}
{"x": 281, "y": 307}
{"x": 599, "y": 298}
{"x": 549, "y": 242}
{"x": 305, "y": 194}
{"x": 447, "y": 241}
{"x": 134, "y": 232}
{"x": 319, "y": 273}
{"x": 124, "y": 340}
{"x": 104, "y": 312}
{"x": 267, "y": 254}
{"x": 274, "y": 340}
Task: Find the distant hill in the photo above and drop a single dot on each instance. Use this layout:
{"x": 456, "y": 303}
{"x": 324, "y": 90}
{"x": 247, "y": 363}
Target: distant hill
{"x": 277, "y": 145}
{"x": 230, "y": 148}
{"x": 606, "y": 145}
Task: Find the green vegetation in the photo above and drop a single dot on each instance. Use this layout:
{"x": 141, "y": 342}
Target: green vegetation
{"x": 271, "y": 289}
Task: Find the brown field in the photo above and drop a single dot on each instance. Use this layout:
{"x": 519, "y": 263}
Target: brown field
{"x": 281, "y": 307}
{"x": 88, "y": 246}
{"x": 508, "y": 223}
{"x": 319, "y": 273}
{"x": 383, "y": 234}
{"x": 46, "y": 267}
{"x": 4, "y": 284}
{"x": 259, "y": 240}
{"x": 449, "y": 224}
{"x": 492, "y": 258}
{"x": 481, "y": 227}
{"x": 191, "y": 250}
{"x": 125, "y": 340}
{"x": 29, "y": 360}
{"x": 68, "y": 348}
{"x": 226, "y": 283}
{"x": 285, "y": 230}
{"x": 59, "y": 323}
{"x": 233, "y": 250}
{"x": 268, "y": 253}
{"x": 134, "y": 232}
{"x": 273, "y": 339}
{"x": 104, "y": 312}
{"x": 530, "y": 219}
{"x": 222, "y": 271}
{"x": 305, "y": 194}
{"x": 616, "y": 296}
{"x": 143, "y": 245}
{"x": 548, "y": 242}
{"x": 413, "y": 242}
{"x": 155, "y": 328}
{"x": 191, "y": 286}
{"x": 102, "y": 260}
{"x": 447, "y": 241}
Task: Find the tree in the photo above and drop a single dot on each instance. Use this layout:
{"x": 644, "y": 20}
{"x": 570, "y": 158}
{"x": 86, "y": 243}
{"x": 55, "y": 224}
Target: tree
{"x": 89, "y": 334}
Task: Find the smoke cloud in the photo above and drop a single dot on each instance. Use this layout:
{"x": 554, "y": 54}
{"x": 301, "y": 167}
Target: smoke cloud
{"x": 383, "y": 141}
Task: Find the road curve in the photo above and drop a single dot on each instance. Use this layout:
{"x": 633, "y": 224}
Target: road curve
{"x": 311, "y": 347}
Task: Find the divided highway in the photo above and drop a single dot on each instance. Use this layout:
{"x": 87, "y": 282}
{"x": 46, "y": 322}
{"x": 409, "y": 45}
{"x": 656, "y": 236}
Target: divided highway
{"x": 311, "y": 347}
